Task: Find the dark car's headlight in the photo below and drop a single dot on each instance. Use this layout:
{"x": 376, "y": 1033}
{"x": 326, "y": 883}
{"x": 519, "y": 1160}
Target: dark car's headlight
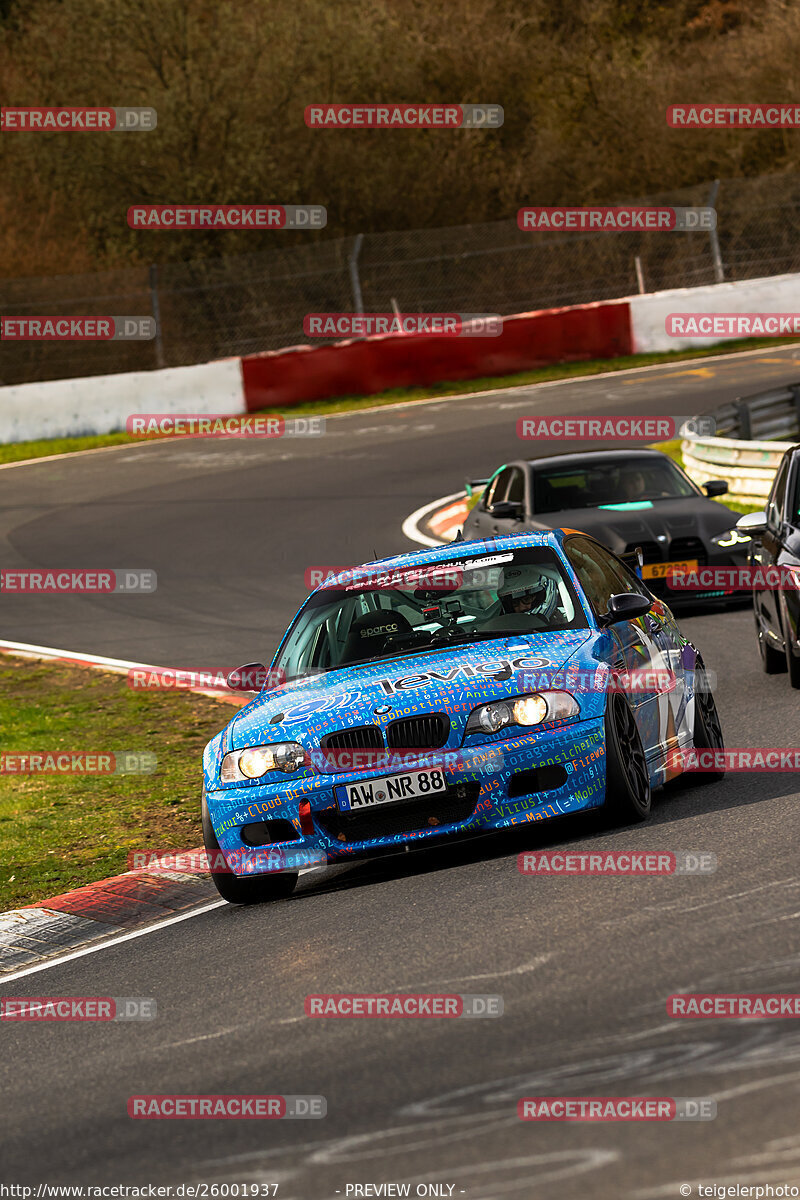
{"x": 533, "y": 709}
{"x": 256, "y": 761}
{"x": 731, "y": 539}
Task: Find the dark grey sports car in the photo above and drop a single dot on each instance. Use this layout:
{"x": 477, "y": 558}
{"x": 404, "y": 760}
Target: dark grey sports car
{"x": 627, "y": 499}
{"x": 775, "y": 537}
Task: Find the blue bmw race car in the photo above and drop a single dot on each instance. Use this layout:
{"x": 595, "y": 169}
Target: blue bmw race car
{"x": 453, "y": 691}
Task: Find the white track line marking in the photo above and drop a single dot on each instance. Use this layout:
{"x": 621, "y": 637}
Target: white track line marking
{"x": 546, "y": 383}
{"x": 380, "y": 408}
{"x": 117, "y": 666}
{"x": 26, "y": 462}
{"x": 410, "y": 525}
{"x": 203, "y": 1037}
{"x": 114, "y": 941}
{"x": 27, "y": 649}
{"x": 123, "y": 937}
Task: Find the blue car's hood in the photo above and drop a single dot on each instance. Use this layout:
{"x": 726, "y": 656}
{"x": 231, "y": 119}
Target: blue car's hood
{"x": 454, "y": 679}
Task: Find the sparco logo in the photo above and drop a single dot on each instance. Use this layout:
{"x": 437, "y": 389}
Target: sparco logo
{"x": 376, "y": 629}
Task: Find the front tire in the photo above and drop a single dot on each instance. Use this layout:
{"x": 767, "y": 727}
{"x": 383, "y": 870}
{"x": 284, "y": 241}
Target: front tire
{"x": 772, "y": 661}
{"x": 253, "y": 889}
{"x": 792, "y": 665}
{"x": 628, "y": 795}
{"x": 707, "y": 727}
{"x": 792, "y": 662}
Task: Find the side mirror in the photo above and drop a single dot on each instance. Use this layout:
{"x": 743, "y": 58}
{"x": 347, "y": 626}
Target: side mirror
{"x": 626, "y": 606}
{"x": 510, "y": 509}
{"x": 250, "y": 678}
{"x": 471, "y": 485}
{"x": 715, "y": 487}
{"x": 754, "y": 523}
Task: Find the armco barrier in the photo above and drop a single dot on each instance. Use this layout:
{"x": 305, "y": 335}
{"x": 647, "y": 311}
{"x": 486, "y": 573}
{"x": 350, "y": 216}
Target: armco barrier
{"x": 767, "y": 416}
{"x": 103, "y": 403}
{"x": 776, "y": 293}
{"x": 746, "y": 465}
{"x": 362, "y": 366}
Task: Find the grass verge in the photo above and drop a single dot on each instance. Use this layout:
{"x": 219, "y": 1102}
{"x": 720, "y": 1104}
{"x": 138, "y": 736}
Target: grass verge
{"x": 59, "y": 832}
{"x": 22, "y": 451}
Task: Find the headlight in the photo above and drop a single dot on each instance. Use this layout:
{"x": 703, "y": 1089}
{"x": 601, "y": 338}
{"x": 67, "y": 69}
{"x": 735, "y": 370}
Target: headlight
{"x": 258, "y": 760}
{"x": 523, "y": 710}
{"x": 731, "y": 538}
{"x": 529, "y": 710}
{"x": 489, "y": 717}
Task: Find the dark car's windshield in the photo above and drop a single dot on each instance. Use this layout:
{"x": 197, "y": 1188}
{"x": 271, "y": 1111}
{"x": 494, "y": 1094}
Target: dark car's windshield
{"x": 411, "y": 610}
{"x": 621, "y": 484}
{"x": 794, "y": 507}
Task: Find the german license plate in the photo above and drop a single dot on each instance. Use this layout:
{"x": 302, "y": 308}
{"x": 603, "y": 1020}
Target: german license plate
{"x": 354, "y": 796}
{"x": 662, "y": 570}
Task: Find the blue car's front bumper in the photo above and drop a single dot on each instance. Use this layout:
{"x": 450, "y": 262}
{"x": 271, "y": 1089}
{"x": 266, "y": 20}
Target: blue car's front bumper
{"x": 491, "y": 785}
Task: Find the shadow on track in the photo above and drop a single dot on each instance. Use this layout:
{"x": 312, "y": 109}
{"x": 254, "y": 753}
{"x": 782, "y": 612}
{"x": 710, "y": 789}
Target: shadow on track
{"x": 679, "y": 800}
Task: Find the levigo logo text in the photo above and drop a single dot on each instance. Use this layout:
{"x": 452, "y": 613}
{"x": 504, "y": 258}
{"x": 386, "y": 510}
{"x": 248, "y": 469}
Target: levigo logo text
{"x": 500, "y": 668}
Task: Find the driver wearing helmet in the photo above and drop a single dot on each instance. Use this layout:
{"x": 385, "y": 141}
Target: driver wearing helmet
{"x": 539, "y": 597}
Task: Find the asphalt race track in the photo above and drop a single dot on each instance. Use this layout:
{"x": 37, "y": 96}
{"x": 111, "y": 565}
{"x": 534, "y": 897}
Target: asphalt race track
{"x": 584, "y": 965}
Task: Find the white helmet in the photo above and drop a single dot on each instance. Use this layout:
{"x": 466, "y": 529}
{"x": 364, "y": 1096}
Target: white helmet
{"x": 539, "y": 597}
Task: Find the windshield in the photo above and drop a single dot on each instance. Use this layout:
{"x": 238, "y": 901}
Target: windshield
{"x": 424, "y": 608}
{"x": 626, "y": 484}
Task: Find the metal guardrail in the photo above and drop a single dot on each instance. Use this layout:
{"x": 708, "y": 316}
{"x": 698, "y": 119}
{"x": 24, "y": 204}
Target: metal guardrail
{"x": 765, "y": 416}
{"x": 752, "y": 434}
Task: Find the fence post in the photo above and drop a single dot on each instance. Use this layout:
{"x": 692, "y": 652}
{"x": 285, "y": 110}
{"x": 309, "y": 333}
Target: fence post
{"x": 639, "y": 274}
{"x": 745, "y": 430}
{"x": 719, "y": 270}
{"x": 794, "y": 388}
{"x": 352, "y": 263}
{"x": 156, "y": 311}
{"x": 396, "y": 311}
